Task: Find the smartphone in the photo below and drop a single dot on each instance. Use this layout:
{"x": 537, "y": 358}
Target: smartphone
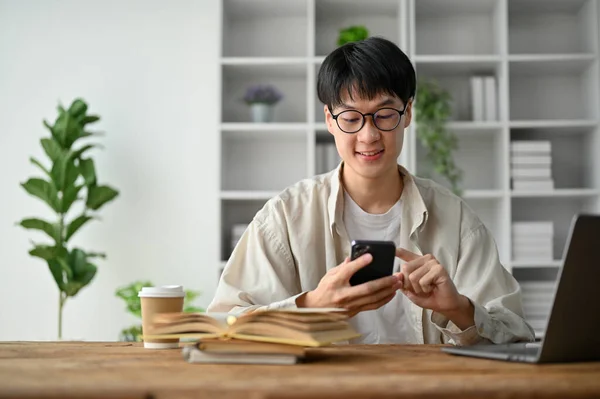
{"x": 382, "y": 265}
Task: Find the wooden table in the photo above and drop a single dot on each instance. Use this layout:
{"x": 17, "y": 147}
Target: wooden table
{"x": 122, "y": 370}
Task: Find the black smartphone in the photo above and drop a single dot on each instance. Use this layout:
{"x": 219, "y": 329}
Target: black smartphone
{"x": 382, "y": 265}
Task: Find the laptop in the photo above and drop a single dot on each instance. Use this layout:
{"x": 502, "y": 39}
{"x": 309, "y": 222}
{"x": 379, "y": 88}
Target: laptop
{"x": 573, "y": 329}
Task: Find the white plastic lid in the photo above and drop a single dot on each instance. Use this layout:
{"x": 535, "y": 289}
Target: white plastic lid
{"x": 165, "y": 291}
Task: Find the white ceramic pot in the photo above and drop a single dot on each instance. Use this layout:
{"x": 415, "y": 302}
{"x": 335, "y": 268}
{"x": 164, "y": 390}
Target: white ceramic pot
{"x": 261, "y": 113}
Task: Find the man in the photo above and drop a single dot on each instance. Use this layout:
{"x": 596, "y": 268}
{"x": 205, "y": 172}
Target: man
{"x": 450, "y": 288}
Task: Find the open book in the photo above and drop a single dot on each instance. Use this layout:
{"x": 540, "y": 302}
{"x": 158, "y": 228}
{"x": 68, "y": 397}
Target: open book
{"x": 302, "y": 327}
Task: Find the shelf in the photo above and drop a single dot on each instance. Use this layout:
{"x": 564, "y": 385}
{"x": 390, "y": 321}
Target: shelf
{"x": 482, "y": 194}
{"x": 572, "y": 125}
{"x": 265, "y": 61}
{"x": 557, "y": 193}
{"x": 227, "y": 127}
{"x": 549, "y": 64}
{"x": 246, "y": 195}
{"x": 456, "y": 64}
{"x": 528, "y": 264}
{"x": 260, "y": 131}
{"x": 474, "y": 128}
{"x": 273, "y": 68}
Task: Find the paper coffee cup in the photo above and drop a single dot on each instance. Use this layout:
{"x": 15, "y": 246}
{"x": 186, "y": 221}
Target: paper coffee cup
{"x": 154, "y": 300}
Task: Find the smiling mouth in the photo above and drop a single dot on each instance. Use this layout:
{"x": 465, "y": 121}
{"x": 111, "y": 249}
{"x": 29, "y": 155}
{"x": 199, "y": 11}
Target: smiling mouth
{"x": 369, "y": 153}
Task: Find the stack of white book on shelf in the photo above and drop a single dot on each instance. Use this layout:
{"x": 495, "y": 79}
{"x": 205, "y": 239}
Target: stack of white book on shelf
{"x": 483, "y": 98}
{"x": 327, "y": 157}
{"x": 538, "y": 297}
{"x": 532, "y": 241}
{"x": 531, "y": 165}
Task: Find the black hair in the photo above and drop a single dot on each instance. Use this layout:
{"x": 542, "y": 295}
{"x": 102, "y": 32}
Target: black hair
{"x": 370, "y": 68}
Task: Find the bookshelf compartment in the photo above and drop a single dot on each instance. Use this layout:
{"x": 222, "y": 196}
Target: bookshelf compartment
{"x": 380, "y": 17}
{"x": 263, "y": 165}
{"x": 248, "y": 28}
{"x": 574, "y": 159}
{"x": 456, "y": 27}
{"x": 289, "y": 79}
{"x": 551, "y": 27}
{"x": 477, "y": 156}
{"x": 457, "y": 79}
{"x": 235, "y": 212}
{"x": 533, "y": 92}
{"x": 558, "y": 210}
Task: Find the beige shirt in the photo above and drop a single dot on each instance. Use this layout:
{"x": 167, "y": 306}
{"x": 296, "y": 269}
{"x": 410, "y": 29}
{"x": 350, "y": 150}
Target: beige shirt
{"x": 299, "y": 235}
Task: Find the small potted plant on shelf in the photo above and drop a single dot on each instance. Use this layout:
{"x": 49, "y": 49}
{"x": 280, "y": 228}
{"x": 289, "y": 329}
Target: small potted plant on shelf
{"x": 352, "y": 34}
{"x": 262, "y": 100}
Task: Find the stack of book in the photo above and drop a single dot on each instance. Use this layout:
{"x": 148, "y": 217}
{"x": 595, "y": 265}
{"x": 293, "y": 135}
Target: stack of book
{"x": 276, "y": 336}
{"x": 531, "y": 165}
{"x": 533, "y": 240}
{"x": 483, "y": 98}
{"x": 538, "y": 297}
{"x": 327, "y": 157}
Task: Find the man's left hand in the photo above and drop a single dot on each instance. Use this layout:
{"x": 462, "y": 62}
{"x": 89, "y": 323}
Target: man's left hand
{"x": 427, "y": 284}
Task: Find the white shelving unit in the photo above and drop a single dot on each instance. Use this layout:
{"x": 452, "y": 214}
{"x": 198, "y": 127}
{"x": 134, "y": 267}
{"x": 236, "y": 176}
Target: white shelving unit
{"x": 544, "y": 55}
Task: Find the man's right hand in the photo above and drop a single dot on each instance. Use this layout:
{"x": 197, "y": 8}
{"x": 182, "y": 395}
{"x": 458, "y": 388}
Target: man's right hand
{"x": 334, "y": 289}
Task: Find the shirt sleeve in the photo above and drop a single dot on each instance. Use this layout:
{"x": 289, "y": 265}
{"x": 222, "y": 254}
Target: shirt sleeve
{"x": 261, "y": 273}
{"x": 493, "y": 291}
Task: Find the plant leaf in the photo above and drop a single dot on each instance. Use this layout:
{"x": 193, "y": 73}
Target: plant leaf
{"x": 90, "y": 119}
{"x": 96, "y": 255}
{"x": 57, "y": 272}
{"x": 52, "y": 148}
{"x": 100, "y": 195}
{"x": 69, "y": 197}
{"x": 63, "y": 128}
{"x": 43, "y": 190}
{"x": 52, "y": 230}
{"x": 78, "y": 107}
{"x": 39, "y": 165}
{"x": 46, "y": 252}
{"x": 86, "y": 274}
{"x": 64, "y": 263}
{"x": 76, "y": 225}
{"x": 129, "y": 294}
{"x": 88, "y": 171}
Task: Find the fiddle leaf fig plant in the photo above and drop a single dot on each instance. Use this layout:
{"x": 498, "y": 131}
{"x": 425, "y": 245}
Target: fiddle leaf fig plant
{"x": 433, "y": 108}
{"x": 69, "y": 180}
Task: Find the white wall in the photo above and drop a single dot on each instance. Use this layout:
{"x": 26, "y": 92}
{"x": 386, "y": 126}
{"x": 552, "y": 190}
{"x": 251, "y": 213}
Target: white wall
{"x": 149, "y": 68}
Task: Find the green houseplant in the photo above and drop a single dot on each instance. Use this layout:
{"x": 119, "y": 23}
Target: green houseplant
{"x": 70, "y": 179}
{"x": 352, "y": 34}
{"x": 433, "y": 108}
{"x": 129, "y": 294}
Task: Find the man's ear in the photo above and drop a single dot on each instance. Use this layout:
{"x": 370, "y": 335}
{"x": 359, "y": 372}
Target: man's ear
{"x": 328, "y": 119}
{"x": 408, "y": 113}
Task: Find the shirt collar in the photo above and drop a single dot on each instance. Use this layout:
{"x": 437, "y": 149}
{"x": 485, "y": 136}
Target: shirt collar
{"x": 414, "y": 211}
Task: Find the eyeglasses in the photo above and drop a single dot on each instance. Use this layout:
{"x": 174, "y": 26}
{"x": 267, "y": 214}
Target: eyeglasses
{"x": 385, "y": 119}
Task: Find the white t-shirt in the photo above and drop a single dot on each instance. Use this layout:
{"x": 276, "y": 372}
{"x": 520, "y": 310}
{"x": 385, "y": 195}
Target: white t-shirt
{"x": 387, "y": 324}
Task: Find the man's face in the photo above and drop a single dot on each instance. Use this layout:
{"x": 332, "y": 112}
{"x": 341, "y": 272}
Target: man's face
{"x": 370, "y": 152}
